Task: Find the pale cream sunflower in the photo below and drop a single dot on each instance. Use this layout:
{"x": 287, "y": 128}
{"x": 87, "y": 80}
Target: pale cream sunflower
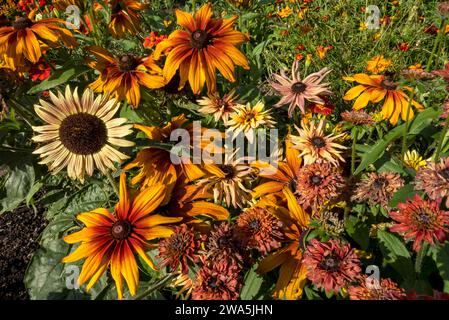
{"x": 315, "y": 145}
{"x": 80, "y": 133}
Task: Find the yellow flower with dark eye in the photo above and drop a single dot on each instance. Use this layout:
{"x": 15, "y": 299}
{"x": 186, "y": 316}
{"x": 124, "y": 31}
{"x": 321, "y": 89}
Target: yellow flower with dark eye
{"x": 413, "y": 160}
{"x": 204, "y": 45}
{"x": 285, "y": 12}
{"x": 374, "y": 89}
{"x": 26, "y": 39}
{"x": 112, "y": 240}
{"x": 125, "y": 17}
{"x": 378, "y": 64}
{"x": 123, "y": 76}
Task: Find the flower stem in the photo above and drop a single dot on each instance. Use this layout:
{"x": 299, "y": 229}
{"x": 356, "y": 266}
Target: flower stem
{"x": 90, "y": 14}
{"x": 353, "y": 153}
{"x": 407, "y": 121}
{"x": 420, "y": 257}
{"x": 112, "y": 182}
{"x": 440, "y": 142}
{"x": 156, "y": 286}
{"x": 436, "y": 43}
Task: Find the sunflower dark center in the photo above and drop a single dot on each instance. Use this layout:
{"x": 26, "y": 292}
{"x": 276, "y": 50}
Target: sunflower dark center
{"x": 121, "y": 230}
{"x": 389, "y": 85}
{"x": 127, "y": 63}
{"x": 250, "y": 116}
{"x": 223, "y": 241}
{"x": 423, "y": 218}
{"x": 228, "y": 171}
{"x": 292, "y": 184}
{"x": 318, "y": 142}
{"x": 298, "y": 87}
{"x": 199, "y": 39}
{"x": 330, "y": 263}
{"x": 445, "y": 173}
{"x": 83, "y": 133}
{"x": 380, "y": 183}
{"x": 22, "y": 23}
{"x": 316, "y": 180}
{"x": 116, "y": 7}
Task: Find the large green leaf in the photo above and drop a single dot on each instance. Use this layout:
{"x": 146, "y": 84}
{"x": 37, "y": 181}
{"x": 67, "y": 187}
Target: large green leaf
{"x": 441, "y": 258}
{"x": 358, "y": 230}
{"x": 253, "y": 282}
{"x": 19, "y": 180}
{"x": 395, "y": 253}
{"x": 58, "y": 77}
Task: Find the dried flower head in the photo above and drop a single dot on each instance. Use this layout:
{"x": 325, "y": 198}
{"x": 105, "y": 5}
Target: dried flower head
{"x": 372, "y": 289}
{"x": 357, "y": 117}
{"x": 331, "y": 265}
{"x": 433, "y": 179}
{"x": 377, "y": 188}
{"x": 318, "y": 183}
{"x": 220, "y": 108}
{"x": 180, "y": 247}
{"x": 257, "y": 228}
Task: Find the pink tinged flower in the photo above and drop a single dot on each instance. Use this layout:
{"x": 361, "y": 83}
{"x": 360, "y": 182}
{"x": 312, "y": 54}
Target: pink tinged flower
{"x": 421, "y": 220}
{"x": 296, "y": 91}
{"x": 331, "y": 265}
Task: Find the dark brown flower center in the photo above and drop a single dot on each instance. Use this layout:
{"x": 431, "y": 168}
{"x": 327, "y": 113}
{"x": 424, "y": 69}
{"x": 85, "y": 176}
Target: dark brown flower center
{"x": 330, "y": 263}
{"x": 116, "y": 7}
{"x": 380, "y": 183}
{"x": 298, "y": 87}
{"x": 227, "y": 170}
{"x": 223, "y": 241}
{"x": 121, "y": 230}
{"x": 199, "y": 39}
{"x": 22, "y": 23}
{"x": 127, "y": 63}
{"x": 389, "y": 85}
{"x": 445, "y": 173}
{"x": 292, "y": 184}
{"x": 83, "y": 133}
{"x": 423, "y": 218}
{"x": 212, "y": 282}
{"x": 316, "y": 180}
{"x": 318, "y": 142}
{"x": 254, "y": 225}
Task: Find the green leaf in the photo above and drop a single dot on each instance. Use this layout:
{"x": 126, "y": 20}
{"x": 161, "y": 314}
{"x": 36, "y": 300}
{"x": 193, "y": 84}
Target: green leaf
{"x": 441, "y": 258}
{"x": 19, "y": 180}
{"x": 358, "y": 230}
{"x": 253, "y": 282}
{"x": 407, "y": 191}
{"x": 58, "y": 77}
{"x": 395, "y": 253}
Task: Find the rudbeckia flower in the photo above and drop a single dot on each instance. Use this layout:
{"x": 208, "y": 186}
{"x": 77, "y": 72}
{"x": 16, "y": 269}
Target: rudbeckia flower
{"x": 123, "y": 76}
{"x": 125, "y": 17}
{"x": 296, "y": 91}
{"x": 204, "y": 45}
{"x": 112, "y": 240}
{"x": 155, "y": 163}
{"x": 26, "y": 39}
{"x": 292, "y": 272}
{"x": 80, "y": 133}
{"x": 376, "y": 88}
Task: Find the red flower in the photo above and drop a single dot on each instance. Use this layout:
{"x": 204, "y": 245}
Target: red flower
{"x": 153, "y": 39}
{"x": 421, "y": 220}
{"x": 325, "y": 109}
{"x": 403, "y": 46}
{"x": 331, "y": 265}
{"x": 368, "y": 289}
{"x": 40, "y": 71}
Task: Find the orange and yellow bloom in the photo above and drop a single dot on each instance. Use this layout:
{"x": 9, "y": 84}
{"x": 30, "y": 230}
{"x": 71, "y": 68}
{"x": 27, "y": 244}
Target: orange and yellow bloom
{"x": 112, "y": 240}
{"x": 202, "y": 46}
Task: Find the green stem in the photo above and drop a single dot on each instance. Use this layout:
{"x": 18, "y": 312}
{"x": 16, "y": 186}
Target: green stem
{"x": 436, "y": 43}
{"x": 353, "y": 153}
{"x": 193, "y": 6}
{"x": 90, "y": 14}
{"x": 113, "y": 183}
{"x": 420, "y": 257}
{"x": 407, "y": 121}
{"x": 156, "y": 286}
{"x": 440, "y": 142}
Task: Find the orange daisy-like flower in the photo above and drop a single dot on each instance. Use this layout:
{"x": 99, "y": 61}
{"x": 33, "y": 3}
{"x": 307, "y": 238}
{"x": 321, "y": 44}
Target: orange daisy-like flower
{"x": 125, "y": 17}
{"x": 292, "y": 272}
{"x": 205, "y": 44}
{"x": 111, "y": 240}
{"x": 123, "y": 76}
{"x": 155, "y": 163}
{"x": 376, "y": 88}
{"x": 26, "y": 39}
